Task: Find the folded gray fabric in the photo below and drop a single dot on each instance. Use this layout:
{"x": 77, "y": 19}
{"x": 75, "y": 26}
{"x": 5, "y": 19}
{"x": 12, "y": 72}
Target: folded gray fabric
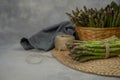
{"x": 44, "y": 40}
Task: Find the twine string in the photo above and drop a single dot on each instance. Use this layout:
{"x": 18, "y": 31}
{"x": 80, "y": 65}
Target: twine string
{"x": 61, "y": 41}
{"x": 30, "y": 59}
{"x": 107, "y": 48}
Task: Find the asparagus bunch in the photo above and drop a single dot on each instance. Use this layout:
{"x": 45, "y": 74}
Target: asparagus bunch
{"x": 89, "y": 50}
{"x": 104, "y": 17}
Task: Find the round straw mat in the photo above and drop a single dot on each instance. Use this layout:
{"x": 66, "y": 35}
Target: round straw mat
{"x": 104, "y": 67}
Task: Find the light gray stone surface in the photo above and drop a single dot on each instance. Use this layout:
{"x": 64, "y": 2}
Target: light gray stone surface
{"x": 19, "y": 18}
{"x": 13, "y": 66}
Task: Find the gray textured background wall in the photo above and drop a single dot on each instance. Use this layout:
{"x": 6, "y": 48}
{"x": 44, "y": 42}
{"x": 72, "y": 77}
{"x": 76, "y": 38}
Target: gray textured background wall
{"x": 20, "y": 18}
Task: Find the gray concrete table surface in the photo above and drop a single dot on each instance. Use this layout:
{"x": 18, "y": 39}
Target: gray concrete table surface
{"x": 23, "y": 18}
{"x": 13, "y": 66}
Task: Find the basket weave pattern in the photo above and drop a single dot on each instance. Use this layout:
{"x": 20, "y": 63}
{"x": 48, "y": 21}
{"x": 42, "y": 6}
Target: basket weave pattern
{"x": 87, "y": 34}
{"x": 104, "y": 67}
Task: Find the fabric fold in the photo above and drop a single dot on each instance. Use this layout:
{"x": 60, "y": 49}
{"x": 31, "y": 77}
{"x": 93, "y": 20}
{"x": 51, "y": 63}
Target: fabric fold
{"x": 44, "y": 39}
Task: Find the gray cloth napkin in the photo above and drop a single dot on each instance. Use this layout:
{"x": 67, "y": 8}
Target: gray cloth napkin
{"x": 44, "y": 40}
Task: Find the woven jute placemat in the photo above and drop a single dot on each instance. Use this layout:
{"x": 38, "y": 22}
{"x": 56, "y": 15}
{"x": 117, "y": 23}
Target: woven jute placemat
{"x": 104, "y": 67}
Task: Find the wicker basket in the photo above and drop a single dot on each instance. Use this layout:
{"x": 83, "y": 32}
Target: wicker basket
{"x": 87, "y": 33}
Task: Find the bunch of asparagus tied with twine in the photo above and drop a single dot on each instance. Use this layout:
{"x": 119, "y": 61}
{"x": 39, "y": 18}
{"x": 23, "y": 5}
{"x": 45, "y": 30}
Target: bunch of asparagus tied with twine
{"x": 104, "y": 17}
{"x": 90, "y": 50}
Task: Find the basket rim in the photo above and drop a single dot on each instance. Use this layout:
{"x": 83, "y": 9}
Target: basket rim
{"x": 92, "y": 28}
